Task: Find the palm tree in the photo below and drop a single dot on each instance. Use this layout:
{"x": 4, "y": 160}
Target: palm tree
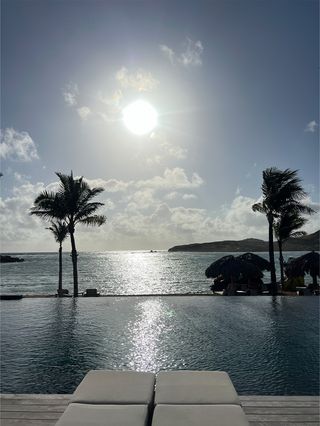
{"x": 286, "y": 226}
{"x": 281, "y": 189}
{"x": 59, "y": 230}
{"x": 71, "y": 203}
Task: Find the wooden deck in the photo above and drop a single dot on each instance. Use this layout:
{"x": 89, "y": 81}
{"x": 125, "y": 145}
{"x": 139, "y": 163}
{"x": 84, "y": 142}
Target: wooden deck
{"x": 44, "y": 410}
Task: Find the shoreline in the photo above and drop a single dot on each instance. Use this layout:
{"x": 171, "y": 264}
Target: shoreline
{"x": 217, "y": 294}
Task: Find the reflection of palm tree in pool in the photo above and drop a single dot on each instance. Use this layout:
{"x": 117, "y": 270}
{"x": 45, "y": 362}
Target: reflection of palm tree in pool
{"x": 72, "y": 352}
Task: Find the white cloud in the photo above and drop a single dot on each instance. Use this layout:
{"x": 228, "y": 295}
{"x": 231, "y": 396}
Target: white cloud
{"x": 168, "y": 53}
{"x": 189, "y": 197}
{"x": 163, "y": 150}
{"x": 111, "y": 101}
{"x": 141, "y": 80}
{"x": 138, "y": 216}
{"x": 70, "y": 94}
{"x": 17, "y": 146}
{"x": 112, "y": 106}
{"x": 109, "y": 204}
{"x": 141, "y": 199}
{"x": 110, "y": 185}
{"x": 176, "y": 195}
{"x": 84, "y": 112}
{"x": 167, "y": 148}
{"x": 311, "y": 126}
{"x": 172, "y": 179}
{"x": 16, "y": 225}
{"x": 191, "y": 56}
{"x": 172, "y": 195}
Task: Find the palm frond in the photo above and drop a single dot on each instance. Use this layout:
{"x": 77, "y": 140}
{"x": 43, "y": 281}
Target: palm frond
{"x": 288, "y": 223}
{"x": 258, "y": 207}
{"x": 59, "y": 230}
{"x": 96, "y": 220}
{"x": 87, "y": 210}
{"x": 49, "y": 205}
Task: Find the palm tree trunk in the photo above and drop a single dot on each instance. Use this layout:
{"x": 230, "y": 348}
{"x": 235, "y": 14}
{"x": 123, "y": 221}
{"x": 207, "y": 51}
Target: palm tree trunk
{"x": 60, "y": 271}
{"x": 273, "y": 288}
{"x": 281, "y": 261}
{"x": 314, "y": 282}
{"x": 74, "y": 257}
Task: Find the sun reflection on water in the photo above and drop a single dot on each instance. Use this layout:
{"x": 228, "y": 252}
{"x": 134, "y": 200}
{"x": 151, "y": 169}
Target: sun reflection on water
{"x": 147, "y": 331}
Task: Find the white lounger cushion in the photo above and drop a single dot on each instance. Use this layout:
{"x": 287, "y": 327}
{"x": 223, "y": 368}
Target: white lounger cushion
{"x": 199, "y": 415}
{"x": 104, "y": 415}
{"x": 195, "y": 387}
{"x": 115, "y": 387}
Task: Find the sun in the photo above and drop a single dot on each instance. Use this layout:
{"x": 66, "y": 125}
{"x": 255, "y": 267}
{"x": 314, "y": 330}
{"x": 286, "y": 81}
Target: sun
{"x": 140, "y": 117}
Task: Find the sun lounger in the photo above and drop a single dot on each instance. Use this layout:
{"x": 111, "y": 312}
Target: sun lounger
{"x": 195, "y": 387}
{"x": 104, "y": 415}
{"x": 115, "y": 387}
{"x": 182, "y": 398}
{"x": 91, "y": 292}
{"x": 199, "y": 415}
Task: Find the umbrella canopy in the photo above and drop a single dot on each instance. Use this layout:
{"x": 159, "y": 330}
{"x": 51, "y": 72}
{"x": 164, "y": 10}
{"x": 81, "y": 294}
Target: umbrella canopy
{"x": 260, "y": 262}
{"x": 232, "y": 269}
{"x": 307, "y": 264}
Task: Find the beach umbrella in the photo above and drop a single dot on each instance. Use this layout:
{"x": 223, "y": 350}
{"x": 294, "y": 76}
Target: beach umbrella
{"x": 260, "y": 262}
{"x": 232, "y": 269}
{"x": 308, "y": 263}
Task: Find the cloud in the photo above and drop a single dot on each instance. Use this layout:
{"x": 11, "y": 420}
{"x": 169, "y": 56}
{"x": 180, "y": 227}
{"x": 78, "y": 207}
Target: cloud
{"x": 110, "y": 185}
{"x": 84, "y": 112}
{"x": 141, "y": 199}
{"x": 141, "y": 80}
{"x": 138, "y": 216}
{"x": 16, "y": 225}
{"x": 176, "y": 195}
{"x": 189, "y": 197}
{"x": 311, "y": 126}
{"x": 164, "y": 150}
{"x": 70, "y": 94}
{"x": 172, "y": 195}
{"x": 172, "y": 179}
{"x": 113, "y": 100}
{"x": 191, "y": 56}
{"x": 167, "y": 52}
{"x": 110, "y": 112}
{"x": 169, "y": 150}
{"x": 17, "y": 146}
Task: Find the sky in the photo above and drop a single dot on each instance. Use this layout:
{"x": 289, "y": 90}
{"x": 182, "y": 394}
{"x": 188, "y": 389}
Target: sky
{"x": 235, "y": 86}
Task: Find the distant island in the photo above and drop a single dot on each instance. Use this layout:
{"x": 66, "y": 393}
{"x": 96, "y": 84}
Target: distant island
{"x": 307, "y": 243}
{"x": 10, "y": 259}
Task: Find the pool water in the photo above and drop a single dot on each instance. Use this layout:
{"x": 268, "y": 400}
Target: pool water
{"x": 267, "y": 345}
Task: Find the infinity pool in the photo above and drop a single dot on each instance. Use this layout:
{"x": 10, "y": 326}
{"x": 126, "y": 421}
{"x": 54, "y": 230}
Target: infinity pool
{"x": 268, "y": 346}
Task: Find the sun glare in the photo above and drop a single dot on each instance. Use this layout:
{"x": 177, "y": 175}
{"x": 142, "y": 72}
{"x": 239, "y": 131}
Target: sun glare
{"x": 140, "y": 117}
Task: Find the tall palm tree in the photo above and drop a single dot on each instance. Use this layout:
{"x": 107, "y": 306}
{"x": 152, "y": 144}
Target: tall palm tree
{"x": 59, "y": 230}
{"x": 286, "y": 226}
{"x": 280, "y": 189}
{"x": 71, "y": 203}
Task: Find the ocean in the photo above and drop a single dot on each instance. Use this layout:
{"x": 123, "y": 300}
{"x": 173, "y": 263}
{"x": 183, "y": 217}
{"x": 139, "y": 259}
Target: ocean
{"x": 121, "y": 272}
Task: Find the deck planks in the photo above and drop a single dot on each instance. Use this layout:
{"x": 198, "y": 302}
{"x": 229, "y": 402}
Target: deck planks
{"x": 45, "y": 410}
